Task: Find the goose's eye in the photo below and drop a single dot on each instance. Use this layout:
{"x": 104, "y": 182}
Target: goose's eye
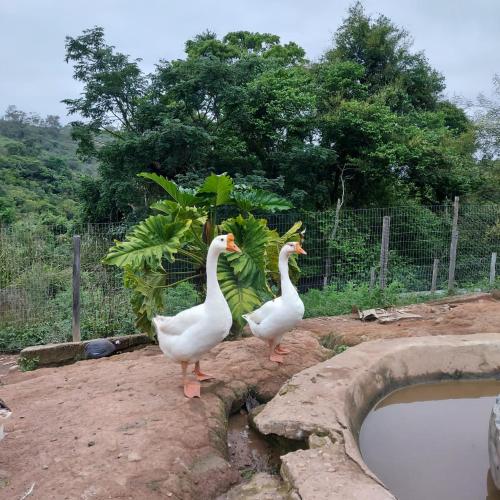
{"x": 221, "y": 239}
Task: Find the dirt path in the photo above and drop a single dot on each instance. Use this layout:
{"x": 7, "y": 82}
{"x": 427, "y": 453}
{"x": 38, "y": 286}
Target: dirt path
{"x": 120, "y": 427}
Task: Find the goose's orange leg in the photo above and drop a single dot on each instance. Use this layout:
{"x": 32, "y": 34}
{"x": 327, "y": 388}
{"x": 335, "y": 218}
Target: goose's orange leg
{"x": 191, "y": 387}
{"x": 199, "y": 374}
{"x": 273, "y": 355}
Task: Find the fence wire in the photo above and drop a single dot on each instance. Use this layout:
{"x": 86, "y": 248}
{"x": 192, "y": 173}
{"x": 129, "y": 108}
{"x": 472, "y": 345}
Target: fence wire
{"x": 36, "y": 265}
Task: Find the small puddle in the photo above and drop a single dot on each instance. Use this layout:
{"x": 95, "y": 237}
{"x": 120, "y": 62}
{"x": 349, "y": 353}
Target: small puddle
{"x": 430, "y": 441}
{"x": 250, "y": 451}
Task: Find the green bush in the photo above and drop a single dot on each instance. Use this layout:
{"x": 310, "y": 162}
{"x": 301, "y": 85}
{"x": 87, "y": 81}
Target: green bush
{"x": 332, "y": 302}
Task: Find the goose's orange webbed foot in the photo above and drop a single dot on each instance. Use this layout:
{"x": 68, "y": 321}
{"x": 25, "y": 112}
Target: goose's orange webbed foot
{"x": 277, "y": 358}
{"x": 192, "y": 389}
{"x": 200, "y": 375}
{"x": 281, "y": 350}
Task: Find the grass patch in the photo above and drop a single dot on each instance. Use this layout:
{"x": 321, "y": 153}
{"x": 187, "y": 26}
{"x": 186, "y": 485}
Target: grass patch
{"x": 28, "y": 364}
{"x": 334, "y": 342}
{"x": 333, "y": 302}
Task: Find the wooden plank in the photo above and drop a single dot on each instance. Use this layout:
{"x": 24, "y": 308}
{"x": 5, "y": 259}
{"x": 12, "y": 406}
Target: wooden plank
{"x": 384, "y": 251}
{"x": 76, "y": 289}
{"x": 453, "y": 246}
{"x": 435, "y": 268}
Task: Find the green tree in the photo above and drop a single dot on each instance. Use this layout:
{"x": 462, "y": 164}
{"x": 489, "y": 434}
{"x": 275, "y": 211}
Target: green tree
{"x": 369, "y": 115}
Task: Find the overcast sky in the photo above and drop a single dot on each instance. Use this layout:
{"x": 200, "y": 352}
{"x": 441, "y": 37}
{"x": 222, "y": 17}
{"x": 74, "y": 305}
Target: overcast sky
{"x": 461, "y": 38}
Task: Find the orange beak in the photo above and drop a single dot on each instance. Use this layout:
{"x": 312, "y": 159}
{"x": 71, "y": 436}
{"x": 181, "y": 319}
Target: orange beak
{"x": 299, "y": 249}
{"x": 231, "y": 245}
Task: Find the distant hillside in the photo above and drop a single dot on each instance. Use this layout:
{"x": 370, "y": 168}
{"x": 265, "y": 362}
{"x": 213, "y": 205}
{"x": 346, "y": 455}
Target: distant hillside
{"x": 39, "y": 169}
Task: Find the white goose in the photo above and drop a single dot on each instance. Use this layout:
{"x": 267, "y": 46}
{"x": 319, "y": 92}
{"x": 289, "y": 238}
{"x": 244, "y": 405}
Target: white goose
{"x": 185, "y": 337}
{"x": 276, "y": 317}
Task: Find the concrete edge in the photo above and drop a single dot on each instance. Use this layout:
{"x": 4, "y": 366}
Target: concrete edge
{"x": 332, "y": 399}
{"x": 70, "y": 352}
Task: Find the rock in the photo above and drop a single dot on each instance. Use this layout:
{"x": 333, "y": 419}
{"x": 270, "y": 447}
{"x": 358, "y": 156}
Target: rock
{"x": 253, "y": 413}
{"x": 494, "y": 443}
{"x": 52, "y": 354}
{"x": 316, "y": 441}
{"x": 182, "y": 444}
{"x": 260, "y": 487}
{"x": 134, "y": 457}
{"x": 69, "y": 352}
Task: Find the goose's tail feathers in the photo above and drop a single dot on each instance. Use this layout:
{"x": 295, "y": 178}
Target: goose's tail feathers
{"x": 161, "y": 324}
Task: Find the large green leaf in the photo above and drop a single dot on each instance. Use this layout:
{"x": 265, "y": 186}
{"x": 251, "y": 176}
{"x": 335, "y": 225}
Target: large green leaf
{"x": 184, "y": 197}
{"x": 273, "y": 249}
{"x": 147, "y": 298}
{"x": 180, "y": 213}
{"x": 252, "y": 236}
{"x": 219, "y": 188}
{"x": 149, "y": 242}
{"x": 255, "y": 199}
{"x": 241, "y": 297}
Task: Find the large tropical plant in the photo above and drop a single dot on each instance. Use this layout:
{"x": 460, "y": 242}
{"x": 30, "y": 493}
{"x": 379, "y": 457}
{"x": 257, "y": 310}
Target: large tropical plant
{"x": 171, "y": 246}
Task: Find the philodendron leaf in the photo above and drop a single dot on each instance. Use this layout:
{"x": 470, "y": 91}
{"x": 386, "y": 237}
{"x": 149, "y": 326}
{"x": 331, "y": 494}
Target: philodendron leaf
{"x": 252, "y": 236}
{"x": 273, "y": 249}
{"x": 255, "y": 199}
{"x": 180, "y": 213}
{"x": 241, "y": 297}
{"x": 147, "y": 298}
{"x": 219, "y": 188}
{"x": 184, "y": 197}
{"x": 150, "y": 241}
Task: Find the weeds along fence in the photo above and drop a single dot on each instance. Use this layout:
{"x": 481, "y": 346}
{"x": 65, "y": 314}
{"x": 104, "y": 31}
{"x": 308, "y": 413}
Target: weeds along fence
{"x": 354, "y": 247}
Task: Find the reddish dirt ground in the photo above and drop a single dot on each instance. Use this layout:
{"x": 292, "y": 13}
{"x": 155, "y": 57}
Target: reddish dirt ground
{"x": 120, "y": 427}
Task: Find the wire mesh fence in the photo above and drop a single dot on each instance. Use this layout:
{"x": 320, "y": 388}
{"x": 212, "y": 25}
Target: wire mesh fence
{"x": 343, "y": 249}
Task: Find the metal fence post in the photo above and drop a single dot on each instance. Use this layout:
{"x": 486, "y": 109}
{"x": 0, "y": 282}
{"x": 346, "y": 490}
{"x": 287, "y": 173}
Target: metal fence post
{"x": 434, "y": 275}
{"x": 493, "y": 265}
{"x": 453, "y": 246}
{"x": 76, "y": 289}
{"x": 384, "y": 251}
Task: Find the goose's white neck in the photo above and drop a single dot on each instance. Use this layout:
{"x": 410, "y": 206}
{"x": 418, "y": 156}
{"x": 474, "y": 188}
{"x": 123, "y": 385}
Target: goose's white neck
{"x": 287, "y": 288}
{"x": 214, "y": 293}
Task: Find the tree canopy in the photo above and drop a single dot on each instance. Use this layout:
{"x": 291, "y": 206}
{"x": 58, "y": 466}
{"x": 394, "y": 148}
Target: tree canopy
{"x": 369, "y": 116}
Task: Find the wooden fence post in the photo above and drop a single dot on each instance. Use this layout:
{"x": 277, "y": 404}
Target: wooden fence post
{"x": 372, "y": 278}
{"x": 453, "y": 246}
{"x": 434, "y": 275}
{"x": 493, "y": 265}
{"x": 384, "y": 251}
{"x": 76, "y": 289}
{"x": 333, "y": 235}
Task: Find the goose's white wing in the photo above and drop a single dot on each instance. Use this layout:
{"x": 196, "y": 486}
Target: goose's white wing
{"x": 265, "y": 310}
{"x": 176, "y": 325}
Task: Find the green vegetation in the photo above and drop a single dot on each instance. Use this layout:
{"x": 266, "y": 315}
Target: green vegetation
{"x": 334, "y": 342}
{"x": 366, "y": 124}
{"x": 332, "y": 302}
{"x": 28, "y": 364}
{"x": 39, "y": 170}
{"x": 171, "y": 248}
